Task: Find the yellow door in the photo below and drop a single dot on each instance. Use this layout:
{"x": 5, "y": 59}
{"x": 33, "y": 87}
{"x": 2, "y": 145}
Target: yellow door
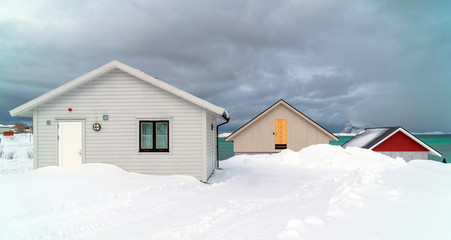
{"x": 281, "y": 133}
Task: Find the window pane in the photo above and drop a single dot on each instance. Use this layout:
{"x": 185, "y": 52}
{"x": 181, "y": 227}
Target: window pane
{"x": 146, "y": 142}
{"x": 162, "y": 142}
{"x": 146, "y": 135}
{"x": 146, "y": 128}
{"x": 162, "y": 135}
{"x": 162, "y": 128}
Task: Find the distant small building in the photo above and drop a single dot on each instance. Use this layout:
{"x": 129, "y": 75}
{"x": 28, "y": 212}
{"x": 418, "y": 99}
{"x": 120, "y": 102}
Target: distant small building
{"x": 279, "y": 127}
{"x": 392, "y": 141}
{"x": 5, "y": 128}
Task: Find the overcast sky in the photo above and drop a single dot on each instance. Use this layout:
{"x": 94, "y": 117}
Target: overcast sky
{"x": 375, "y": 63}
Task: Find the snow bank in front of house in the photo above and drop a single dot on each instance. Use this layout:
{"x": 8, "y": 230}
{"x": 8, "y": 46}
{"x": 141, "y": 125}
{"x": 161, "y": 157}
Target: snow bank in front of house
{"x": 321, "y": 192}
{"x": 60, "y": 186}
{"x": 324, "y": 156}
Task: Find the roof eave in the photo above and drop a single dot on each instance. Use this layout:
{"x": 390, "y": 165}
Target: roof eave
{"x": 281, "y": 101}
{"x": 165, "y": 86}
{"x": 28, "y": 106}
{"x": 25, "y": 108}
{"x": 21, "y": 114}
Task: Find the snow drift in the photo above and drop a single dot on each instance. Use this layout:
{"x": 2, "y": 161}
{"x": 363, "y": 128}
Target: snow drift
{"x": 320, "y": 192}
{"x": 324, "y": 156}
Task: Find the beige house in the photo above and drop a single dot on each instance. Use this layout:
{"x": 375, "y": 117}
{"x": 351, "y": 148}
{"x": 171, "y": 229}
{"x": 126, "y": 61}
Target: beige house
{"x": 279, "y": 127}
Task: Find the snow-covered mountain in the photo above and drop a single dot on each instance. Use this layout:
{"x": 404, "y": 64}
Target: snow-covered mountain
{"x": 351, "y": 129}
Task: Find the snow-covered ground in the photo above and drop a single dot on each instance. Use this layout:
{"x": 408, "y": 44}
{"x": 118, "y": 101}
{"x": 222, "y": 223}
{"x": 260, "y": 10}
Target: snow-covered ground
{"x": 321, "y": 192}
{"x": 16, "y": 153}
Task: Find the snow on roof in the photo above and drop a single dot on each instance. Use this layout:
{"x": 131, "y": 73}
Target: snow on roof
{"x": 364, "y": 138}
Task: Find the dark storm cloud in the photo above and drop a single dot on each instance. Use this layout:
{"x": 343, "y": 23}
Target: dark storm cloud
{"x": 379, "y": 62}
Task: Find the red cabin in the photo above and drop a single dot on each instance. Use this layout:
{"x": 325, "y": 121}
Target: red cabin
{"x": 392, "y": 141}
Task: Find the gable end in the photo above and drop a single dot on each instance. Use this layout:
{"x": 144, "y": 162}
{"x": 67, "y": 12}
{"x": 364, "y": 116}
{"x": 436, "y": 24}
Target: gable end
{"x": 399, "y": 142}
{"x": 272, "y": 107}
{"x": 25, "y": 110}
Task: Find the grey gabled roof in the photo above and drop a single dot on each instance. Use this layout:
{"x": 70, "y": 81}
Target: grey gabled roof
{"x": 25, "y": 110}
{"x": 372, "y": 137}
{"x": 369, "y": 137}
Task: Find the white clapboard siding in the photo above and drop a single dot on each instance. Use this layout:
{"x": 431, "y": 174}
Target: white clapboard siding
{"x": 211, "y": 144}
{"x": 123, "y": 98}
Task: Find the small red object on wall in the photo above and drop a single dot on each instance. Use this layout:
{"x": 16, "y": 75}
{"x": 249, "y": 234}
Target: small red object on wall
{"x": 69, "y": 109}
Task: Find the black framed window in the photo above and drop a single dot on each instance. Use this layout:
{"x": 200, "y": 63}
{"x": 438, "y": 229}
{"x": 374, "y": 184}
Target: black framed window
{"x": 154, "y": 136}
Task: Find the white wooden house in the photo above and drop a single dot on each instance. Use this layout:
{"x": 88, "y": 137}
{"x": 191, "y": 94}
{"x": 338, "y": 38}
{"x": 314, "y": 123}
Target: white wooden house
{"x": 119, "y": 115}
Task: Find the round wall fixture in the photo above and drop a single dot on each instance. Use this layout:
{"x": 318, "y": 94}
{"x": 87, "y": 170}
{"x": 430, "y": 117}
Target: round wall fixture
{"x": 96, "y": 127}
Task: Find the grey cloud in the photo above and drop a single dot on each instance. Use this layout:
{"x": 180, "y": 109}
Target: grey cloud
{"x": 380, "y": 62}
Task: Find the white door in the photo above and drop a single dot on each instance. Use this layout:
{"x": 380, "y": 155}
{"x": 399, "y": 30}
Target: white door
{"x": 70, "y": 150}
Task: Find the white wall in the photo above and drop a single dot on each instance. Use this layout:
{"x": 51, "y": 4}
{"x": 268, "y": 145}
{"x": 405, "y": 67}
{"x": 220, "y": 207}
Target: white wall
{"x": 211, "y": 143}
{"x": 407, "y": 156}
{"x": 124, "y": 98}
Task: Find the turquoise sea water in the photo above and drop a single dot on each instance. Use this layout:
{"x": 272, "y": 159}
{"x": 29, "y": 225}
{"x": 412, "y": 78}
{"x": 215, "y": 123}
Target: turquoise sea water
{"x": 225, "y": 149}
{"x": 440, "y": 142}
